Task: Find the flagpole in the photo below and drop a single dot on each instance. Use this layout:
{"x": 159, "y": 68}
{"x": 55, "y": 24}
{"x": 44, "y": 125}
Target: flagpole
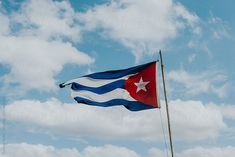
{"x": 167, "y": 108}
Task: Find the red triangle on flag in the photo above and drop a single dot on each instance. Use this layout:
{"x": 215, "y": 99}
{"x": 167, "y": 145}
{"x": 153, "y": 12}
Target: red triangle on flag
{"x": 142, "y": 86}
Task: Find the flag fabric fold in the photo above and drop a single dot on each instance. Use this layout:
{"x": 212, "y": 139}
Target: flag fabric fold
{"x": 135, "y": 88}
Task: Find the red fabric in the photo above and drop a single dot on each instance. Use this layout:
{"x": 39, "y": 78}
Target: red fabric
{"x": 148, "y": 97}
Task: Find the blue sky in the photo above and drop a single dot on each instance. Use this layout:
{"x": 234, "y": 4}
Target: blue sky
{"x": 44, "y": 43}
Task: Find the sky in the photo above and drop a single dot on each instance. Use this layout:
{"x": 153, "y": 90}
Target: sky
{"x": 44, "y": 43}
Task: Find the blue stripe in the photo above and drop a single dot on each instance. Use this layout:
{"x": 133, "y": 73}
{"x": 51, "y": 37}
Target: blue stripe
{"x": 130, "y": 105}
{"x": 118, "y": 73}
{"x": 100, "y": 90}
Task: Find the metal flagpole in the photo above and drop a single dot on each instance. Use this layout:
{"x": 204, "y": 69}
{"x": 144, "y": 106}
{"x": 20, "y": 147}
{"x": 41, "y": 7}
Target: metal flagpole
{"x": 167, "y": 109}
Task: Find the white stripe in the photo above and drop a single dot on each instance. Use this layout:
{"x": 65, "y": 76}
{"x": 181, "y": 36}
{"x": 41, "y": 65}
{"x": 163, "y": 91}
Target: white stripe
{"x": 114, "y": 94}
{"x": 90, "y": 82}
{"x": 157, "y": 87}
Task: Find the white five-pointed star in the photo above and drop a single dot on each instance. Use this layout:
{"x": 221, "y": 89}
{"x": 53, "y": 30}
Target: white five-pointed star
{"x": 141, "y": 85}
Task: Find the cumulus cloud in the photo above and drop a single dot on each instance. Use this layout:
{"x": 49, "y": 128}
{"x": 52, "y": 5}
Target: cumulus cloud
{"x": 29, "y": 150}
{"x": 196, "y": 120}
{"x": 215, "y": 152}
{"x": 143, "y": 26}
{"x": 40, "y": 37}
{"x": 191, "y": 120}
{"x": 47, "y": 19}
{"x": 36, "y": 41}
{"x": 228, "y": 111}
{"x": 199, "y": 83}
{"x": 157, "y": 152}
{"x": 108, "y": 151}
{"x": 198, "y": 152}
{"x": 4, "y": 22}
{"x": 39, "y": 150}
{"x": 35, "y": 62}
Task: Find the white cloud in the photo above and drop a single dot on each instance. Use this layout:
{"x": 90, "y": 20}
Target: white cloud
{"x": 143, "y": 26}
{"x": 35, "y": 62}
{"x": 156, "y": 152}
{"x": 219, "y": 28}
{"x": 228, "y": 111}
{"x": 215, "y": 152}
{"x": 199, "y": 83}
{"x": 4, "y": 23}
{"x": 108, "y": 151}
{"x": 191, "y": 120}
{"x": 39, "y": 150}
{"x": 30, "y": 150}
{"x": 47, "y": 19}
{"x": 198, "y": 152}
{"x": 36, "y": 42}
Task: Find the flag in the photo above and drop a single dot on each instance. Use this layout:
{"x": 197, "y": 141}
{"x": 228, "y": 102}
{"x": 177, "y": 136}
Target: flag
{"x": 135, "y": 88}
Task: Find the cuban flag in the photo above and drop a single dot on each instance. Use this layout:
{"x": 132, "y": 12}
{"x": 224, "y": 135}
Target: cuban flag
{"x": 135, "y": 88}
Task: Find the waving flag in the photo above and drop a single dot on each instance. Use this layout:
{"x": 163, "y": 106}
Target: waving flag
{"x": 135, "y": 88}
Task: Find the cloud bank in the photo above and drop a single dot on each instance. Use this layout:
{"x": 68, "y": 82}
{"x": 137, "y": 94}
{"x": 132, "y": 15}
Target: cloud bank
{"x": 191, "y": 120}
{"x": 29, "y": 150}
